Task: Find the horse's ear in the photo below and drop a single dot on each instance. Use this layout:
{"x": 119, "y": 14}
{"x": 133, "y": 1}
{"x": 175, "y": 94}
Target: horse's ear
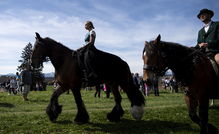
{"x": 38, "y": 36}
{"x": 157, "y": 41}
{"x": 145, "y": 43}
{"x": 158, "y": 37}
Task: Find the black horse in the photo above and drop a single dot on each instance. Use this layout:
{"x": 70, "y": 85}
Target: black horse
{"x": 192, "y": 68}
{"x": 110, "y": 69}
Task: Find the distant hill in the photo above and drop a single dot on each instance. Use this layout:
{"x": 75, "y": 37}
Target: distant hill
{"x": 45, "y": 74}
{"x": 49, "y": 74}
{"x": 9, "y": 74}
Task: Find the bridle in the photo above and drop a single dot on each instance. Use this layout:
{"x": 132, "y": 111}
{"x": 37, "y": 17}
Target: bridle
{"x": 156, "y": 69}
{"x": 40, "y": 58}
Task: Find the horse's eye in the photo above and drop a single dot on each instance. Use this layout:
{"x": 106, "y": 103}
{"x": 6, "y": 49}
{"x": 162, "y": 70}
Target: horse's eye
{"x": 36, "y": 46}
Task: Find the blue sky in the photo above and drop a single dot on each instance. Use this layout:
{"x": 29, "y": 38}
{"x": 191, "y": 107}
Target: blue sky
{"x": 122, "y": 26}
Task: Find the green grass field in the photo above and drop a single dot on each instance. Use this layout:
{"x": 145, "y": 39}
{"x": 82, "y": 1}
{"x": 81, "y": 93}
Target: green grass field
{"x": 166, "y": 114}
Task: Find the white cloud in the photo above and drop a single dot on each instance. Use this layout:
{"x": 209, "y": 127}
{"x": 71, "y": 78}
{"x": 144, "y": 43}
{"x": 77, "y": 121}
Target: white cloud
{"x": 17, "y": 31}
{"x": 11, "y": 68}
{"x": 9, "y": 49}
{"x": 47, "y": 67}
{"x": 117, "y": 31}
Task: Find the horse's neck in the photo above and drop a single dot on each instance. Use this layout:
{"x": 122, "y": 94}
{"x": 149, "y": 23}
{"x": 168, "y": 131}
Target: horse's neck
{"x": 176, "y": 56}
{"x": 58, "y": 54}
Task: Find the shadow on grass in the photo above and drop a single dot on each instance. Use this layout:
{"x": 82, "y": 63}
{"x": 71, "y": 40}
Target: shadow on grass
{"x": 8, "y": 105}
{"x": 38, "y": 100}
{"x": 214, "y": 107}
{"x": 141, "y": 127}
{"x": 64, "y": 122}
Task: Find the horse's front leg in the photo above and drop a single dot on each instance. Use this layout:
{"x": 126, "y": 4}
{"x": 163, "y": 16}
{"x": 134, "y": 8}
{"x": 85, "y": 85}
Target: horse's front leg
{"x": 54, "y": 109}
{"x": 82, "y": 115}
{"x": 117, "y": 111}
{"x": 203, "y": 114}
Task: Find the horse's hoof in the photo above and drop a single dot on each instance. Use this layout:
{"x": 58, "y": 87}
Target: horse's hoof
{"x": 212, "y": 129}
{"x": 52, "y": 119}
{"x": 137, "y": 112}
{"x": 82, "y": 117}
{"x": 113, "y": 118}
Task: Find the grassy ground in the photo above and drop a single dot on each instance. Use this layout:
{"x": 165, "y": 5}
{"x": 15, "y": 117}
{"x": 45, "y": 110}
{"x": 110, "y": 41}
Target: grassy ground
{"x": 166, "y": 114}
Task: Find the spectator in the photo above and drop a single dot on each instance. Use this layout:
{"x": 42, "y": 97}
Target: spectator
{"x": 147, "y": 88}
{"x": 18, "y": 79}
{"x": 136, "y": 80}
{"x": 26, "y": 79}
{"x": 7, "y": 85}
{"x": 166, "y": 83}
{"x": 107, "y": 90}
{"x": 173, "y": 85}
{"x": 12, "y": 86}
{"x": 97, "y": 91}
{"x": 155, "y": 85}
{"x": 39, "y": 86}
{"x": 142, "y": 86}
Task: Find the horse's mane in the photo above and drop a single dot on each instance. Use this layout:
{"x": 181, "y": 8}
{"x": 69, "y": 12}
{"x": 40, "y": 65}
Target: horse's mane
{"x": 171, "y": 47}
{"x": 58, "y": 44}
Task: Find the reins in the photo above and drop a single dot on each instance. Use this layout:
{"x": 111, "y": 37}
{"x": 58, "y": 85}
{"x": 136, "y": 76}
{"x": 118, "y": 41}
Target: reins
{"x": 191, "y": 54}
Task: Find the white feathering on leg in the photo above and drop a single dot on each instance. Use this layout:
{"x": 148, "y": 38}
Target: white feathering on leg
{"x": 137, "y": 112}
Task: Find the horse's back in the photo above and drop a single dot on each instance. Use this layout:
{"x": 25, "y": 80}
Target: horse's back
{"x": 108, "y": 64}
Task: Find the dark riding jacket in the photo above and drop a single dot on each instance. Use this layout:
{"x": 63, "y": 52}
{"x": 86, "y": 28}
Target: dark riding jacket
{"x": 211, "y": 37}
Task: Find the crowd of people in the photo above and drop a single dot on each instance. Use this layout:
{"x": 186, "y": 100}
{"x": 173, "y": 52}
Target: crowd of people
{"x": 19, "y": 84}
{"x": 102, "y": 87}
{"x": 170, "y": 83}
{"x": 141, "y": 85}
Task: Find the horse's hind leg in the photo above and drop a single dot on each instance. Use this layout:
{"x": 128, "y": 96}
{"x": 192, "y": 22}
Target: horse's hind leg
{"x": 192, "y": 109}
{"x": 117, "y": 112}
{"x": 54, "y": 109}
{"x": 206, "y": 128}
{"x": 82, "y": 115}
{"x": 202, "y": 119}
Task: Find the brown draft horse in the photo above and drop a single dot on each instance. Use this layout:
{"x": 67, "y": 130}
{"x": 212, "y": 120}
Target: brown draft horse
{"x": 110, "y": 69}
{"x": 192, "y": 68}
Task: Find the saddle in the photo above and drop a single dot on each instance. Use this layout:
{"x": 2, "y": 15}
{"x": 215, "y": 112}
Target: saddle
{"x": 210, "y": 56}
{"x": 85, "y": 58}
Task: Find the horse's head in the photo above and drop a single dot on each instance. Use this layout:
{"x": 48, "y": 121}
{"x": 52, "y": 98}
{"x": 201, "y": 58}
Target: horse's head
{"x": 154, "y": 60}
{"x": 39, "y": 52}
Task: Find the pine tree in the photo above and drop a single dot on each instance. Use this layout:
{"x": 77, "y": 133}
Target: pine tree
{"x": 37, "y": 74}
{"x": 25, "y": 55}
